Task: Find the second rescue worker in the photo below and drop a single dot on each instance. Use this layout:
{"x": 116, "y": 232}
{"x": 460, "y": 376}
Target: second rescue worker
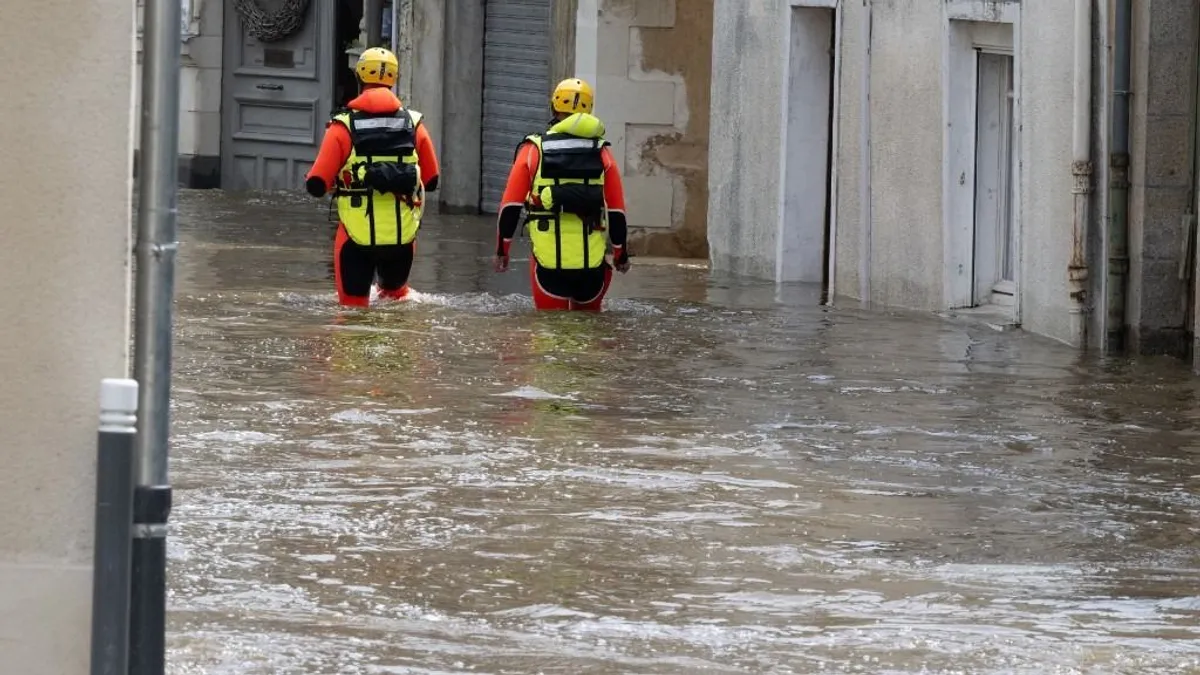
{"x": 379, "y": 161}
{"x": 568, "y": 183}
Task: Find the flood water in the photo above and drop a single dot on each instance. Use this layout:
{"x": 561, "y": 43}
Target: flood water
{"x": 709, "y": 477}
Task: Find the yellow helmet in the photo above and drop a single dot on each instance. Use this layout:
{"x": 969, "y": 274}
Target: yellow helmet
{"x": 573, "y": 96}
{"x": 378, "y": 66}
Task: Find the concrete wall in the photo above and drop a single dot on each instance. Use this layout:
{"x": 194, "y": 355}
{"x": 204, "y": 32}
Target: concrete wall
{"x": 564, "y": 15}
{"x": 199, "y": 92}
{"x": 65, "y": 271}
{"x": 446, "y": 86}
{"x": 850, "y": 148}
{"x": 906, "y": 155}
{"x": 651, "y": 65}
{"x": 1046, "y": 202}
{"x": 895, "y": 172}
{"x": 1161, "y": 174}
{"x": 747, "y": 77}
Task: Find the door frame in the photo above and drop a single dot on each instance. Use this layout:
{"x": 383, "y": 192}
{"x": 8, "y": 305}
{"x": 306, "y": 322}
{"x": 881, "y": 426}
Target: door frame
{"x": 1004, "y": 181}
{"x": 785, "y": 19}
{"x": 969, "y": 25}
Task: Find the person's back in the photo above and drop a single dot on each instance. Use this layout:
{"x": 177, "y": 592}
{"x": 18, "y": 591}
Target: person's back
{"x": 567, "y": 182}
{"x": 378, "y": 159}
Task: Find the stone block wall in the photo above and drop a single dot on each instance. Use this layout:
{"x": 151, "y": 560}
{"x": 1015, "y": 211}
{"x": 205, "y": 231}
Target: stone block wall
{"x": 653, "y": 75}
{"x": 1161, "y": 173}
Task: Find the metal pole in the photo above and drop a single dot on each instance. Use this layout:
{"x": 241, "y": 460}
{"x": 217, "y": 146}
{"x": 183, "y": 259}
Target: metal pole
{"x": 114, "y": 527}
{"x": 155, "y": 295}
{"x": 1081, "y": 170}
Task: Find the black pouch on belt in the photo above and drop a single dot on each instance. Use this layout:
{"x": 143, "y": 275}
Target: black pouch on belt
{"x": 582, "y": 200}
{"x": 400, "y": 179}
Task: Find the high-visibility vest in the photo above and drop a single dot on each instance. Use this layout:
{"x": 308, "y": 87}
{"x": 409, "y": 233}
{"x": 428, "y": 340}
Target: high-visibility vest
{"x": 566, "y": 213}
{"x": 379, "y": 191}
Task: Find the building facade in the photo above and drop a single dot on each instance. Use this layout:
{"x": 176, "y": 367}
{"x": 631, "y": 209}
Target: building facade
{"x": 255, "y": 96}
{"x": 651, "y": 63}
{"x": 964, "y": 156}
{"x": 65, "y": 271}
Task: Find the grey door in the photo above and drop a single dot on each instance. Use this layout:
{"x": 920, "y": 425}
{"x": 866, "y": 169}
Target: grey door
{"x": 516, "y": 86}
{"x": 276, "y": 98}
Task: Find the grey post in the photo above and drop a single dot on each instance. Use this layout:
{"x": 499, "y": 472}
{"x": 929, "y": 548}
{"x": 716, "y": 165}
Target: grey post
{"x": 114, "y": 526}
{"x": 155, "y": 286}
{"x": 373, "y": 13}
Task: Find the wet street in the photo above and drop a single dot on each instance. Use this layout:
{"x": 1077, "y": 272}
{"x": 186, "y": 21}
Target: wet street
{"x": 710, "y": 477}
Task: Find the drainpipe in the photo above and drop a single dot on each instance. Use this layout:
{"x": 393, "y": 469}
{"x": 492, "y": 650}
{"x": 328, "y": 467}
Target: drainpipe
{"x": 864, "y": 261}
{"x": 1081, "y": 169}
{"x": 1189, "y": 259}
{"x": 1118, "y": 201}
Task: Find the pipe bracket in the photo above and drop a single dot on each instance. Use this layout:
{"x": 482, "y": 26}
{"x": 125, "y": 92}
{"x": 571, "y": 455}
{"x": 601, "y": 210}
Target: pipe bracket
{"x": 1082, "y": 171}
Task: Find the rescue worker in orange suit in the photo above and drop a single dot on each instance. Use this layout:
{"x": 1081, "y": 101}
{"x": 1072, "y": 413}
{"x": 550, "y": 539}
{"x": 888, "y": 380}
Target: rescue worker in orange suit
{"x": 567, "y": 182}
{"x": 378, "y": 160}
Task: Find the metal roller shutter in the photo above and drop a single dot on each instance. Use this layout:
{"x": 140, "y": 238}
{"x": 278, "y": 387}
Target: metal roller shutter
{"x": 516, "y": 86}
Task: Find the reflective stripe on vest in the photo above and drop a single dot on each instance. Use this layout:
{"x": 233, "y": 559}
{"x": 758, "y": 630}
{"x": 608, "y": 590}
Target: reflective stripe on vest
{"x": 372, "y": 217}
{"x": 563, "y": 239}
{"x": 568, "y": 144}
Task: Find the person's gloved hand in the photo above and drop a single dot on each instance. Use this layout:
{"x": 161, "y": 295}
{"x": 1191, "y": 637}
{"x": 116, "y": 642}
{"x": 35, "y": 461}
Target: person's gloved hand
{"x": 501, "y": 262}
{"x": 315, "y": 186}
{"x": 620, "y": 259}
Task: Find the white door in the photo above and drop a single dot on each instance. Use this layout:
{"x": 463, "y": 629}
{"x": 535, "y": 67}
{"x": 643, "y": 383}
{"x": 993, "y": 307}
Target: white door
{"x": 995, "y": 238}
{"x": 804, "y": 223}
{"x": 516, "y": 86}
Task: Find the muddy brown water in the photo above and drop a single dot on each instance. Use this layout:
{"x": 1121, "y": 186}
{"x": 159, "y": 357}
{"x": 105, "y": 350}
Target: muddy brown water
{"x": 712, "y": 476}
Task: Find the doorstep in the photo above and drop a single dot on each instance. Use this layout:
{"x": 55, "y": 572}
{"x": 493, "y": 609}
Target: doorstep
{"x": 996, "y": 317}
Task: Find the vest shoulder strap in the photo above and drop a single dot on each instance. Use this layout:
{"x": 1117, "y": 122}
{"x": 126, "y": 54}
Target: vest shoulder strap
{"x": 536, "y": 139}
